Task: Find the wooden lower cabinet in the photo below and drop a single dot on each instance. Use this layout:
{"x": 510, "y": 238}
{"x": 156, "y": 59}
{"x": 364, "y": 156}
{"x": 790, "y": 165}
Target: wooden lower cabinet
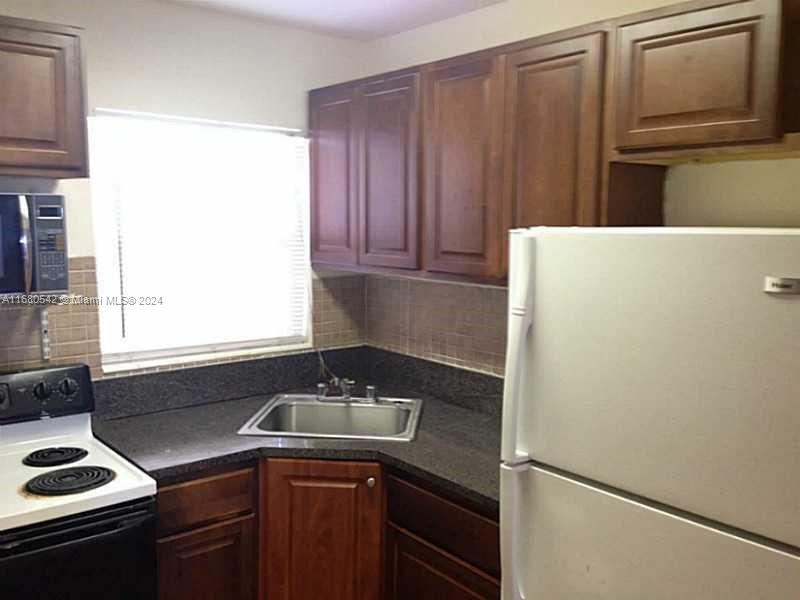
{"x": 213, "y": 563}
{"x": 418, "y": 570}
{"x": 296, "y": 529}
{"x": 208, "y": 546}
{"x": 322, "y": 536}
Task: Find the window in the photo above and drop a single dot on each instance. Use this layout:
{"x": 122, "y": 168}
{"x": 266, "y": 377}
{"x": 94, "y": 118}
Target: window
{"x": 201, "y": 236}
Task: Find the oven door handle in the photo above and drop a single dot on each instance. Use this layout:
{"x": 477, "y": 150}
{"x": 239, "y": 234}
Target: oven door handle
{"x": 25, "y": 242}
{"x": 123, "y": 526}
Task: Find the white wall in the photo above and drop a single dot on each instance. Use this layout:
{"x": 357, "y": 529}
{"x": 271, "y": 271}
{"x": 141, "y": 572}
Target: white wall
{"x": 153, "y": 56}
{"x": 757, "y": 193}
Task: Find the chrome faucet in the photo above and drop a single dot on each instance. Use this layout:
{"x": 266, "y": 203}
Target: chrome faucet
{"x": 344, "y": 385}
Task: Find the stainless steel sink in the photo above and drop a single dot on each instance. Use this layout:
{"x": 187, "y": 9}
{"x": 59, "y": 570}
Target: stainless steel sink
{"x": 303, "y": 415}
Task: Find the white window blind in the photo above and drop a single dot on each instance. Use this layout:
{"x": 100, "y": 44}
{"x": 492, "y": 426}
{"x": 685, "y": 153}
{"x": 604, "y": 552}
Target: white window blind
{"x": 201, "y": 237}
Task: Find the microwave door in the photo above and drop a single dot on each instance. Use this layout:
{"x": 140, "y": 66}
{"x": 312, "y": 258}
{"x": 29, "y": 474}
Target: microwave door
{"x": 14, "y": 244}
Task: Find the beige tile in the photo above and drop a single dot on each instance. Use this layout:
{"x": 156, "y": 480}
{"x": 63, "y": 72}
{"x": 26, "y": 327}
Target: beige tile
{"x": 456, "y": 324}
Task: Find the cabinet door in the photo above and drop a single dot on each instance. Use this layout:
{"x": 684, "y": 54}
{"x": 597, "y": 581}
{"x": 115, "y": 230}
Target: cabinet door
{"x": 553, "y": 123}
{"x": 702, "y": 77}
{"x": 462, "y": 132}
{"x": 334, "y": 219}
{"x": 322, "y": 537}
{"x": 42, "y": 120}
{"x": 419, "y": 570}
{"x": 209, "y": 564}
{"x": 388, "y": 134}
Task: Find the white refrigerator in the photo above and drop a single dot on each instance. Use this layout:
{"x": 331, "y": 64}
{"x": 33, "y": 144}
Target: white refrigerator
{"x": 651, "y": 418}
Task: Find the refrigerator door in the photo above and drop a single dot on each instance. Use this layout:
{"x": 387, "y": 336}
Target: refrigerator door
{"x": 578, "y": 543}
{"x": 658, "y": 365}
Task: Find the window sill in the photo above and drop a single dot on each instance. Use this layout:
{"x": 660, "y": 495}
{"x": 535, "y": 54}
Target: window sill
{"x": 199, "y": 360}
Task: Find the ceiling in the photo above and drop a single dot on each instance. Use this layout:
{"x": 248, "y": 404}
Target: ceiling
{"x": 357, "y": 19}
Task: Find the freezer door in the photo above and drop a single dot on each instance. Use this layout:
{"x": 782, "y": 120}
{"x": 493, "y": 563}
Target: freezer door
{"x": 658, "y": 365}
{"x": 578, "y": 543}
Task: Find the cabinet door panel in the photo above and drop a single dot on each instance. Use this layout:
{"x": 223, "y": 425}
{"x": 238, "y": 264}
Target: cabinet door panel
{"x": 323, "y": 530}
{"x": 209, "y": 564}
{"x": 463, "y": 177}
{"x": 703, "y": 77}
{"x": 42, "y": 120}
{"x": 553, "y": 118}
{"x": 333, "y": 177}
{"x": 419, "y": 570}
{"x": 388, "y": 131}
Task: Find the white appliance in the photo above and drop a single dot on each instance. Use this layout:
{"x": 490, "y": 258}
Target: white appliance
{"x": 19, "y": 507}
{"x": 76, "y": 518}
{"x": 651, "y": 419}
{"x": 46, "y": 436}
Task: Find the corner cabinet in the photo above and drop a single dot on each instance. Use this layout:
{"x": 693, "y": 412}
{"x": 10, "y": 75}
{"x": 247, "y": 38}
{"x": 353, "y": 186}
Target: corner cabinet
{"x": 322, "y": 536}
{"x": 364, "y": 162}
{"x": 42, "y": 116}
{"x": 463, "y": 144}
{"x": 700, "y": 76}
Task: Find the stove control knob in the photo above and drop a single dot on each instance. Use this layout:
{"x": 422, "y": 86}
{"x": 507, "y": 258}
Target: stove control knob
{"x": 5, "y": 398}
{"x": 68, "y": 387}
{"x": 42, "y": 390}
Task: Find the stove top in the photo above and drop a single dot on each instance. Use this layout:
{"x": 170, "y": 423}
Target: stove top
{"x": 52, "y": 467}
{"x": 72, "y": 480}
{"x": 54, "y": 457}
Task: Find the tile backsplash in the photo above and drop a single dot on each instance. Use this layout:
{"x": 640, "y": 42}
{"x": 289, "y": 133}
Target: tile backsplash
{"x": 74, "y": 331}
{"x": 460, "y": 325}
{"x": 339, "y": 311}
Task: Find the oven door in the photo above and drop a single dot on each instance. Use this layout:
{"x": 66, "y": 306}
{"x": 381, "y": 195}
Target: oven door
{"x": 105, "y": 554}
{"x": 15, "y": 245}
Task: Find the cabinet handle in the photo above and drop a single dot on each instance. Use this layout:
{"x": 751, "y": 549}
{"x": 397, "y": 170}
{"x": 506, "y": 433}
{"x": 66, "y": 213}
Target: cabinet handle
{"x": 370, "y": 482}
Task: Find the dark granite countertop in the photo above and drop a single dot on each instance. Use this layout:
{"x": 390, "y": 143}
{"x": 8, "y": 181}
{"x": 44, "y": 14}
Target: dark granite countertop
{"x": 456, "y": 449}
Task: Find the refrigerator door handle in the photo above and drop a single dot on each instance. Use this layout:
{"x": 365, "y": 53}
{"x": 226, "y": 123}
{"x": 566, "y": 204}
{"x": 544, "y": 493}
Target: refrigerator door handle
{"x": 510, "y": 529}
{"x": 520, "y": 319}
{"x": 519, "y": 327}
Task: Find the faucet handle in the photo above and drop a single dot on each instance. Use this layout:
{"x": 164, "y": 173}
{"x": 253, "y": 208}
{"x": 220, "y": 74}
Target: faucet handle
{"x": 372, "y": 393}
{"x": 322, "y": 390}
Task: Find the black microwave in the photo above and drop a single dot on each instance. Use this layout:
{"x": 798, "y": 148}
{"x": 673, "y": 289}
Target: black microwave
{"x": 33, "y": 245}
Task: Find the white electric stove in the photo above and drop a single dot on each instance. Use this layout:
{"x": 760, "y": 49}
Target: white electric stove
{"x": 55, "y": 467}
{"x": 77, "y": 520}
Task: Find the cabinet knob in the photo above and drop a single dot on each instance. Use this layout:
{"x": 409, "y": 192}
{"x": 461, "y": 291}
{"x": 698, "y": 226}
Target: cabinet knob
{"x": 370, "y": 482}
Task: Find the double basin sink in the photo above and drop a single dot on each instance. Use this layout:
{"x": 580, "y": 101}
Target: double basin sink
{"x": 308, "y": 416}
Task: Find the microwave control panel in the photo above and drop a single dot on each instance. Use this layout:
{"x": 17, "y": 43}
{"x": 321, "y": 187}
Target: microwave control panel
{"x": 48, "y": 228}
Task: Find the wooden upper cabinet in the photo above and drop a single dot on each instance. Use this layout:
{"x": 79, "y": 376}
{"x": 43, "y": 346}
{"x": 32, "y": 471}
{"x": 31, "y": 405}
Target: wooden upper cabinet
{"x": 42, "y": 116}
{"x": 334, "y": 211}
{"x": 323, "y": 533}
{"x": 553, "y": 132}
{"x": 388, "y": 153}
{"x": 708, "y": 76}
{"x": 462, "y": 140}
